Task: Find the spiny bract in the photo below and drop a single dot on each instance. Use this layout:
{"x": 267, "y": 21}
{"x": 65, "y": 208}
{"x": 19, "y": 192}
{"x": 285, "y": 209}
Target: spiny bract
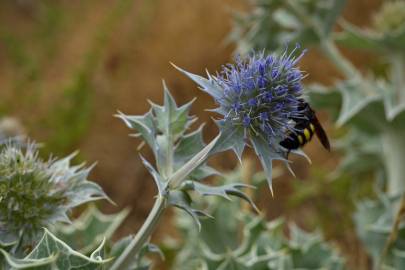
{"x": 36, "y": 193}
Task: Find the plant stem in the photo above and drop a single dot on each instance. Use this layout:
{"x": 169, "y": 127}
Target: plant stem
{"x": 130, "y": 252}
{"x": 394, "y": 155}
{"x": 247, "y": 175}
{"x": 394, "y": 231}
{"x": 177, "y": 178}
{"x": 169, "y": 154}
{"x": 329, "y": 48}
{"x": 397, "y": 76}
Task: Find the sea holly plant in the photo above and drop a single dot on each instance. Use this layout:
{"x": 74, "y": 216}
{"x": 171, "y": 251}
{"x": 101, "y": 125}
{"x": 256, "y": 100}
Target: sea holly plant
{"x": 34, "y": 195}
{"x": 262, "y": 245}
{"x": 257, "y": 96}
{"x": 258, "y": 99}
{"x": 370, "y": 105}
{"x": 238, "y": 239}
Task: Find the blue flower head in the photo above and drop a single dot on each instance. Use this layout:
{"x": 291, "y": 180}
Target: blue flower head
{"x": 261, "y": 93}
{"x": 258, "y": 96}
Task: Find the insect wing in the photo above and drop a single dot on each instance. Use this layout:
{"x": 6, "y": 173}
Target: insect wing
{"x": 321, "y": 134}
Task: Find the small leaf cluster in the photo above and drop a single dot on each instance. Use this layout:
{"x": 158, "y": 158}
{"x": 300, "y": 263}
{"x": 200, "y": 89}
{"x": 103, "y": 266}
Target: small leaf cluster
{"x": 374, "y": 220}
{"x": 273, "y": 23}
{"x": 241, "y": 240}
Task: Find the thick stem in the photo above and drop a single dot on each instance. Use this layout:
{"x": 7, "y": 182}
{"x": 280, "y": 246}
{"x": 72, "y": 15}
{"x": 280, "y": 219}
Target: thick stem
{"x": 169, "y": 155}
{"x": 343, "y": 65}
{"x": 124, "y": 260}
{"x": 175, "y": 180}
{"x": 247, "y": 175}
{"x": 397, "y": 75}
{"x": 393, "y": 144}
{"x": 394, "y": 231}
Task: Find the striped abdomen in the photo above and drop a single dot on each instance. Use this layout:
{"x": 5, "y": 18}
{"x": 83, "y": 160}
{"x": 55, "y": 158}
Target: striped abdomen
{"x": 299, "y": 139}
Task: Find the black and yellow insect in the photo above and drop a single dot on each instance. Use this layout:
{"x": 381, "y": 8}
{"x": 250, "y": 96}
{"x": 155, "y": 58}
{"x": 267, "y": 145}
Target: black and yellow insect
{"x": 305, "y": 128}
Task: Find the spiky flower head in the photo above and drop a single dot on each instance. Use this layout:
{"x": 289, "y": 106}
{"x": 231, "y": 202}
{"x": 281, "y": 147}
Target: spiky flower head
{"x": 35, "y": 193}
{"x": 261, "y": 93}
{"x": 258, "y": 99}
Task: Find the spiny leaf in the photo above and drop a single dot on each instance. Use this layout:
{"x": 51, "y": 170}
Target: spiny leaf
{"x": 231, "y": 137}
{"x": 143, "y": 124}
{"x": 164, "y": 129}
{"x": 373, "y": 220}
{"x": 222, "y": 191}
{"x": 325, "y": 98}
{"x": 181, "y": 200}
{"x": 140, "y": 261}
{"x": 251, "y": 233}
{"x": 362, "y": 153}
{"x": 7, "y": 240}
{"x": 261, "y": 245}
{"x": 88, "y": 231}
{"x": 192, "y": 164}
{"x": 189, "y": 145}
{"x": 334, "y": 10}
{"x": 368, "y": 39}
{"x": 272, "y": 24}
{"x": 203, "y": 172}
{"x": 171, "y": 122}
{"x": 354, "y": 99}
{"x": 160, "y": 183}
{"x": 354, "y": 37}
{"x": 232, "y": 263}
{"x": 207, "y": 85}
{"x": 32, "y": 264}
{"x": 67, "y": 258}
{"x": 120, "y": 245}
{"x": 301, "y": 239}
{"x": 266, "y": 155}
{"x": 399, "y": 259}
{"x": 53, "y": 253}
{"x": 171, "y": 118}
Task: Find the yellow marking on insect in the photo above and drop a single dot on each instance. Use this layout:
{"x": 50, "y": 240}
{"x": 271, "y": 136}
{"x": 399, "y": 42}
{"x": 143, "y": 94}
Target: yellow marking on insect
{"x": 300, "y": 139}
{"x": 312, "y": 127}
{"x": 307, "y": 134}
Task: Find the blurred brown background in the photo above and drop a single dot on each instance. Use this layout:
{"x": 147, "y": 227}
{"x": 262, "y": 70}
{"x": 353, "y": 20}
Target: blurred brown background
{"x": 66, "y": 67}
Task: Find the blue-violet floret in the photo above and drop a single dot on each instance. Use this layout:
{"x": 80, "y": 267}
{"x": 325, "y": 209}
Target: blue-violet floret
{"x": 262, "y": 93}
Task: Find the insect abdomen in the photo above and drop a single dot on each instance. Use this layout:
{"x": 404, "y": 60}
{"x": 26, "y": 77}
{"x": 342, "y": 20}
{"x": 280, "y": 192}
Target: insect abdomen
{"x": 299, "y": 139}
